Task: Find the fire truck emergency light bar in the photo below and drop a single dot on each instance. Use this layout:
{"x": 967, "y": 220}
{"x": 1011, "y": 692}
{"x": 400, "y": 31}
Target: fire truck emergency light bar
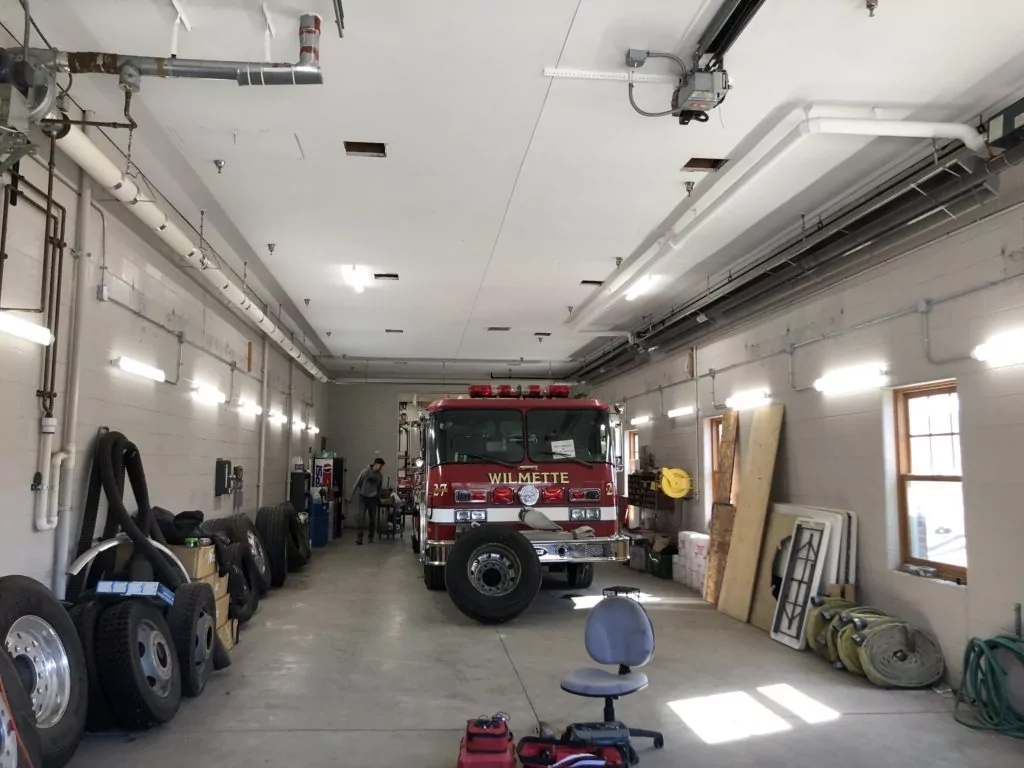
{"x": 507, "y": 390}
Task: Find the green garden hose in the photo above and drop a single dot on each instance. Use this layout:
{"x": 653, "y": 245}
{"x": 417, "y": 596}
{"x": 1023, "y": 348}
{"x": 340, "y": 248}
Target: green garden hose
{"x": 984, "y": 688}
{"x": 894, "y": 654}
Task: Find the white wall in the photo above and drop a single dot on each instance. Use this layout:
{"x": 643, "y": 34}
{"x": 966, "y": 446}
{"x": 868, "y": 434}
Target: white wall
{"x": 179, "y": 439}
{"x": 838, "y": 451}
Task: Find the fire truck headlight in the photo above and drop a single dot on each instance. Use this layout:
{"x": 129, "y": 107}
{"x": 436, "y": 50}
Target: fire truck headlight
{"x": 478, "y": 515}
{"x": 462, "y": 515}
{"x": 577, "y": 514}
{"x": 593, "y": 514}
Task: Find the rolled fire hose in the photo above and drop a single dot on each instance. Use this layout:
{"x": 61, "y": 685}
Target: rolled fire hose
{"x": 983, "y": 701}
{"x": 675, "y": 483}
{"x": 896, "y": 655}
{"x": 846, "y": 641}
{"x": 820, "y": 617}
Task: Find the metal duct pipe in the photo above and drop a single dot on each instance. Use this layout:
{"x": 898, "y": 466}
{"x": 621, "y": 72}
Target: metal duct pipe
{"x": 306, "y": 72}
{"x": 94, "y": 162}
{"x": 908, "y": 129}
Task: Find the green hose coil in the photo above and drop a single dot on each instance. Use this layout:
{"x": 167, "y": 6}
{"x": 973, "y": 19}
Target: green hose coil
{"x": 983, "y": 689}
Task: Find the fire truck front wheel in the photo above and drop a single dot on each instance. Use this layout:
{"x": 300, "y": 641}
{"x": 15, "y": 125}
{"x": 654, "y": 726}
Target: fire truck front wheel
{"x": 492, "y": 574}
{"x": 433, "y": 577}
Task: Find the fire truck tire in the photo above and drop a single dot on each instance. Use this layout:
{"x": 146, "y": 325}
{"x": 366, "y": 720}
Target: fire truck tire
{"x": 492, "y": 574}
{"x": 433, "y": 577}
{"x": 415, "y": 541}
{"x": 272, "y": 526}
{"x": 581, "y": 575}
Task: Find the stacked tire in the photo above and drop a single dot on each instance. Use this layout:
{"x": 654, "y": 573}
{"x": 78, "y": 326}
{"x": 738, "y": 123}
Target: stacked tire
{"x": 285, "y": 534}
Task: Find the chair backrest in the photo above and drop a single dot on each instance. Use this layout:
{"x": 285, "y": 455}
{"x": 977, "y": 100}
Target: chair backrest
{"x": 619, "y": 631}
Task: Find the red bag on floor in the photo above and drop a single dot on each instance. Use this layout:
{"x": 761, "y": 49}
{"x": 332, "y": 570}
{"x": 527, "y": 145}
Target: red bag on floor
{"x": 544, "y": 753}
{"x": 487, "y": 744}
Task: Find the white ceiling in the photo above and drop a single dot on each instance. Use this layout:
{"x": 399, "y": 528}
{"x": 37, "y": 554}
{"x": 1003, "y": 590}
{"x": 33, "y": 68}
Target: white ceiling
{"x": 502, "y": 188}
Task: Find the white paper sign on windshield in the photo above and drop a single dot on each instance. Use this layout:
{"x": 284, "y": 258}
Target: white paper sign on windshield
{"x": 563, "y": 449}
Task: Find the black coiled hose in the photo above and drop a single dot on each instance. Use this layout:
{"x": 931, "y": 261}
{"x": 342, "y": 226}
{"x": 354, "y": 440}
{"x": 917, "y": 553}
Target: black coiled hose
{"x": 116, "y": 456}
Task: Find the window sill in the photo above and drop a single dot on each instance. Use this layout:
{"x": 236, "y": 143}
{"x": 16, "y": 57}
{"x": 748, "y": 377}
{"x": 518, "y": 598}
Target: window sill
{"x": 923, "y": 572}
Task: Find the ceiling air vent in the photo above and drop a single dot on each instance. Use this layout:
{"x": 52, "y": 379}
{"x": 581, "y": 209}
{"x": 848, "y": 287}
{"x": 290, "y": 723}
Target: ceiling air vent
{"x": 704, "y": 164}
{"x": 591, "y": 282}
{"x": 499, "y": 328}
{"x": 366, "y": 149}
{"x": 393, "y": 330}
{"x": 542, "y": 333}
{"x": 385, "y": 275}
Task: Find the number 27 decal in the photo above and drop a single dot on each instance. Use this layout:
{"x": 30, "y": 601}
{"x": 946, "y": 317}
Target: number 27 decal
{"x": 440, "y": 489}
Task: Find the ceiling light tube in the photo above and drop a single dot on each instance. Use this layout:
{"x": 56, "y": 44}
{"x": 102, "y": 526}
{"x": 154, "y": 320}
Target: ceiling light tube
{"x": 752, "y": 398}
{"x": 356, "y": 276}
{"x": 636, "y": 421}
{"x": 854, "y": 379}
{"x": 140, "y": 369}
{"x": 277, "y": 418}
{"x": 1002, "y": 349}
{"x": 204, "y": 393}
{"x": 313, "y": 429}
{"x": 23, "y": 329}
{"x": 249, "y": 408}
{"x": 299, "y": 424}
{"x": 641, "y": 286}
{"x": 675, "y": 413}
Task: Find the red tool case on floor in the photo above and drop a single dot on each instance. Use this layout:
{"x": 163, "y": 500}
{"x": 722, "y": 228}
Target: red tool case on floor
{"x": 487, "y": 744}
{"x": 536, "y": 752}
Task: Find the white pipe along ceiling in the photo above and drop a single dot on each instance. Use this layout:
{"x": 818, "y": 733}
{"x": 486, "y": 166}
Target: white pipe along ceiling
{"x": 814, "y": 119}
{"x": 77, "y": 146}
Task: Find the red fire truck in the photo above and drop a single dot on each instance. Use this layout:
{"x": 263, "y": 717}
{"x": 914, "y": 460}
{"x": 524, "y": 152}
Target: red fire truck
{"x": 515, "y": 480}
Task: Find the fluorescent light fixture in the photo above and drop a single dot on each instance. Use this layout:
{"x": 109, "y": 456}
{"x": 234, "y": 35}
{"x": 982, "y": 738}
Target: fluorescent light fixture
{"x": 638, "y": 420}
{"x": 675, "y": 413}
{"x": 1002, "y": 349}
{"x": 299, "y": 424}
{"x": 204, "y": 393}
{"x": 751, "y": 398}
{"x": 356, "y": 277}
{"x": 249, "y": 408}
{"x": 800, "y": 704}
{"x": 277, "y": 418}
{"x": 641, "y": 286}
{"x": 23, "y": 329}
{"x": 314, "y": 429}
{"x": 855, "y": 379}
{"x": 140, "y": 369}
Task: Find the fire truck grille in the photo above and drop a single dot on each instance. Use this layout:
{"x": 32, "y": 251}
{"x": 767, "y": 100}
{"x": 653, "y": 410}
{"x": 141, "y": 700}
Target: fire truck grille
{"x": 594, "y": 550}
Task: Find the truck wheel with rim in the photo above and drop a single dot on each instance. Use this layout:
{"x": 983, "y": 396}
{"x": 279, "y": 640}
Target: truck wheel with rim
{"x": 492, "y": 574}
{"x": 433, "y": 577}
{"x": 272, "y": 526}
{"x": 193, "y": 624}
{"x": 580, "y": 574}
{"x": 48, "y": 656}
{"x": 19, "y": 739}
{"x": 138, "y": 665}
{"x": 240, "y": 528}
{"x": 242, "y": 583}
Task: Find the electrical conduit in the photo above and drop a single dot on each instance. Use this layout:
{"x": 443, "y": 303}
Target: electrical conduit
{"x": 94, "y": 162}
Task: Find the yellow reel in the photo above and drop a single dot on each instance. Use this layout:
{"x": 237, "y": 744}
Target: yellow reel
{"x": 675, "y": 483}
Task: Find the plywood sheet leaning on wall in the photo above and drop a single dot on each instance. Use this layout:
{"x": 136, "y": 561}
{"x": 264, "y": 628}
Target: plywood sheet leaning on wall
{"x": 778, "y": 532}
{"x": 722, "y": 511}
{"x": 751, "y": 511}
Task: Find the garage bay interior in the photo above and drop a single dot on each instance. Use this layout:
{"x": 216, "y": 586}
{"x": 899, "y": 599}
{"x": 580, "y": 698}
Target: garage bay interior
{"x": 549, "y": 382}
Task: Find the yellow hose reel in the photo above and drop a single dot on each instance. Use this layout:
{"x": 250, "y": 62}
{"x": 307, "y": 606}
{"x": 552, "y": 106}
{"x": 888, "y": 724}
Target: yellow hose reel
{"x": 675, "y": 483}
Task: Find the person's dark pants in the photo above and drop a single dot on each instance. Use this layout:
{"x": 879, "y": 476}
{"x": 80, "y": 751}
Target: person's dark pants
{"x": 367, "y": 516}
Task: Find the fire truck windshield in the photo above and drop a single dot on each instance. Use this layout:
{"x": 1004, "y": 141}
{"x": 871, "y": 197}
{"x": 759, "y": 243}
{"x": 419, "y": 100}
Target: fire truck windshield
{"x": 498, "y": 436}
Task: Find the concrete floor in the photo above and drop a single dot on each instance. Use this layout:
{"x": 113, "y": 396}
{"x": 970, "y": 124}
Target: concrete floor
{"x": 354, "y": 663}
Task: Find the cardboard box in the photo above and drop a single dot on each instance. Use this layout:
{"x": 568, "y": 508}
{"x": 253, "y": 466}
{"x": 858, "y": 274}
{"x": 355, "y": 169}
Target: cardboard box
{"x": 223, "y": 605}
{"x": 228, "y": 634}
{"x": 200, "y": 562}
{"x": 219, "y": 584}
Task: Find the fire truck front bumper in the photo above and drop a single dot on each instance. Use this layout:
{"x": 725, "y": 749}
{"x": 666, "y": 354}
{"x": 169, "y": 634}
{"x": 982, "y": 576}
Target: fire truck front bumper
{"x": 552, "y": 548}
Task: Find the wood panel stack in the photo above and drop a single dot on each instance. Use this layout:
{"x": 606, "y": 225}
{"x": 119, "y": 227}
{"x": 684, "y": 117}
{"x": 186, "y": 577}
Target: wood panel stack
{"x": 722, "y": 511}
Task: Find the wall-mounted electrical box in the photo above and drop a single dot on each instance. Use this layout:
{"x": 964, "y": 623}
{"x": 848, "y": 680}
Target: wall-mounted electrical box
{"x": 222, "y": 478}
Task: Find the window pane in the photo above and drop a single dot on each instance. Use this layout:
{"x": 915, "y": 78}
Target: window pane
{"x": 943, "y": 462}
{"x": 935, "y": 521}
{"x": 954, "y": 411}
{"x": 917, "y": 415}
{"x": 958, "y": 468}
{"x": 921, "y": 456}
{"x": 939, "y": 420}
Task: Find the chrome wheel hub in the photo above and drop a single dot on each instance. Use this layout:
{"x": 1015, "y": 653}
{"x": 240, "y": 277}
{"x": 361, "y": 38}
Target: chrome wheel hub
{"x": 154, "y": 657}
{"x": 8, "y": 738}
{"x": 494, "y": 570}
{"x": 256, "y": 547}
{"x": 204, "y": 639}
{"x": 43, "y": 664}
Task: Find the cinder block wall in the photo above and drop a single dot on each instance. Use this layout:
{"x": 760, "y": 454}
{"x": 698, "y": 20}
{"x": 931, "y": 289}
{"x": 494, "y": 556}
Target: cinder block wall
{"x": 179, "y": 438}
{"x": 839, "y": 451}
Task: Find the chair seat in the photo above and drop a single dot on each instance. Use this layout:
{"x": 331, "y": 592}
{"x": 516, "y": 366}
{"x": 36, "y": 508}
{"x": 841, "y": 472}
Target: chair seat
{"x": 599, "y": 683}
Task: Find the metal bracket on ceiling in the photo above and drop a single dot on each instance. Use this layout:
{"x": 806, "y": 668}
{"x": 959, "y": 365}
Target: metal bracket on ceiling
{"x": 269, "y": 33}
{"x": 180, "y": 21}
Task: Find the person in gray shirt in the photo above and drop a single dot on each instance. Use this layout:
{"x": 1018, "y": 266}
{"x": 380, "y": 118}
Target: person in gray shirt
{"x": 368, "y": 486}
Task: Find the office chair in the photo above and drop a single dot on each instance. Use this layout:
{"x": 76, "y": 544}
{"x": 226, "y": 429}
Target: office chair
{"x": 619, "y": 632}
